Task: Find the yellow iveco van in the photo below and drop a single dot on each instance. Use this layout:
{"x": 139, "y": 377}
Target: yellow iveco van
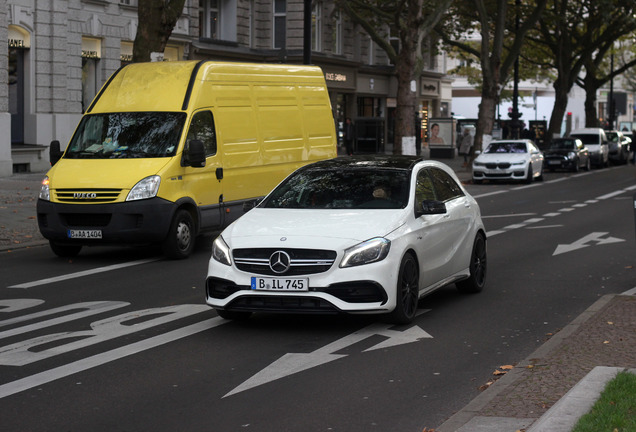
{"x": 171, "y": 150}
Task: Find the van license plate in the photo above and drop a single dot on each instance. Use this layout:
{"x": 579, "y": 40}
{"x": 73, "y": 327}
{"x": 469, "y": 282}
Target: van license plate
{"x": 279, "y": 284}
{"x": 84, "y": 234}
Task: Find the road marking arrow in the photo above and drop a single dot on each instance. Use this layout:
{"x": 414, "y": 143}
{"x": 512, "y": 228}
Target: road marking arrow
{"x": 583, "y": 243}
{"x": 292, "y": 363}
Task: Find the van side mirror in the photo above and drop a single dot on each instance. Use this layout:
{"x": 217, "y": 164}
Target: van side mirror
{"x": 55, "y": 154}
{"x": 194, "y": 154}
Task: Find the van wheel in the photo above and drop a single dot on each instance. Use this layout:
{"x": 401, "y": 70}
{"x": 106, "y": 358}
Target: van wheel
{"x": 180, "y": 241}
{"x": 65, "y": 251}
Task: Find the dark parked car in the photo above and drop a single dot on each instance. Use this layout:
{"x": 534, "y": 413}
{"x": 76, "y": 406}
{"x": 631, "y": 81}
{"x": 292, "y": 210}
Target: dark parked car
{"x": 567, "y": 153}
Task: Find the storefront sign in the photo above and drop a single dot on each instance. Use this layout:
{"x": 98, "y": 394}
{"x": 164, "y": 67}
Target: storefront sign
{"x": 338, "y": 77}
{"x": 429, "y": 87}
{"x": 19, "y": 38}
{"x": 91, "y": 48}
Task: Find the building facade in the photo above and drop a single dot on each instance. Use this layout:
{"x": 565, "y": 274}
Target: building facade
{"x": 59, "y": 54}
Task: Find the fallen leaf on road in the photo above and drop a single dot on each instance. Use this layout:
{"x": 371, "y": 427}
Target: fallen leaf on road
{"x": 610, "y": 323}
{"x": 606, "y": 342}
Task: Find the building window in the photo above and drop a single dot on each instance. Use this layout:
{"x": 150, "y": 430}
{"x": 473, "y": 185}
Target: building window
{"x": 280, "y": 23}
{"x": 209, "y": 18}
{"x": 336, "y": 29}
{"x": 316, "y": 27}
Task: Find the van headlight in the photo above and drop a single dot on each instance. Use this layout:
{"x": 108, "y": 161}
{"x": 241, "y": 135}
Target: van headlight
{"x": 221, "y": 251}
{"x": 146, "y": 188}
{"x": 370, "y": 251}
{"x": 45, "y": 193}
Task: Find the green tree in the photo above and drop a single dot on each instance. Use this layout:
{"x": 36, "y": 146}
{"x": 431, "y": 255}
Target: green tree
{"x": 157, "y": 19}
{"x": 411, "y": 22}
{"x": 579, "y": 34}
{"x": 499, "y": 45}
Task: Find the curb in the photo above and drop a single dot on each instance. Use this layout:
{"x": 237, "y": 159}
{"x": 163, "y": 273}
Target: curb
{"x": 470, "y": 413}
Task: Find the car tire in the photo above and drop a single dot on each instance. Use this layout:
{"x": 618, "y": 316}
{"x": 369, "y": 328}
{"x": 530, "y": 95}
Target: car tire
{"x": 540, "y": 178}
{"x": 577, "y": 165}
{"x": 529, "y": 177}
{"x": 233, "y": 315}
{"x": 478, "y": 268}
{"x": 406, "y": 292}
{"x": 65, "y": 251}
{"x": 181, "y": 236}
{"x": 588, "y": 165}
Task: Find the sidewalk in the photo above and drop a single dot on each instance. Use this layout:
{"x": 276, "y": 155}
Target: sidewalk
{"x": 546, "y": 392}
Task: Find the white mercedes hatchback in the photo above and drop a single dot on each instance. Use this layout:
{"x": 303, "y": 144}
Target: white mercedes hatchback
{"x": 351, "y": 235}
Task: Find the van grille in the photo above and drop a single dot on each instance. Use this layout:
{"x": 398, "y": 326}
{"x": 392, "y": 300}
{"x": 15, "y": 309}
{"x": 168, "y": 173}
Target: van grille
{"x": 87, "y": 195}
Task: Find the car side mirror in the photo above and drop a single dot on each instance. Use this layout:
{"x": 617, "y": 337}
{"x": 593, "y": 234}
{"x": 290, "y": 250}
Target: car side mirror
{"x": 432, "y": 207}
{"x": 55, "y": 154}
{"x": 194, "y": 154}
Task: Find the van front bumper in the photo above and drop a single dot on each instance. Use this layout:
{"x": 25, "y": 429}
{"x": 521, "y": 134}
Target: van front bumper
{"x": 133, "y": 222}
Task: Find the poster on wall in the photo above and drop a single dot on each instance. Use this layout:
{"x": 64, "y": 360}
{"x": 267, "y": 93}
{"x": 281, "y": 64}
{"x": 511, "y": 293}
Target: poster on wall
{"x": 441, "y": 137}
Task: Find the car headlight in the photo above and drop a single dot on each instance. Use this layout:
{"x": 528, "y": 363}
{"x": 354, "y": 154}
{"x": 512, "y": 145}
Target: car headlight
{"x": 478, "y": 164}
{"x": 518, "y": 163}
{"x": 146, "y": 188}
{"x": 571, "y": 155}
{"x": 221, "y": 251}
{"x": 370, "y": 251}
{"x": 45, "y": 193}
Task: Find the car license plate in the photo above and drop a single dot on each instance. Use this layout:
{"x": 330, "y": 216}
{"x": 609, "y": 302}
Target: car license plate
{"x": 84, "y": 234}
{"x": 554, "y": 162}
{"x": 279, "y": 284}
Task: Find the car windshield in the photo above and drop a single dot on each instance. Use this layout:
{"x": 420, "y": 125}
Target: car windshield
{"x": 588, "y": 138}
{"x": 127, "y": 135}
{"x": 612, "y": 136}
{"x": 506, "y": 147}
{"x": 342, "y": 189}
{"x": 562, "y": 145}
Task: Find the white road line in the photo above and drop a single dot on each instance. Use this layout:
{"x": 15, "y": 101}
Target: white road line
{"x": 490, "y": 194}
{"x": 45, "y": 377}
{"x": 630, "y": 292}
{"x": 83, "y": 273}
{"x": 508, "y": 215}
{"x": 611, "y": 195}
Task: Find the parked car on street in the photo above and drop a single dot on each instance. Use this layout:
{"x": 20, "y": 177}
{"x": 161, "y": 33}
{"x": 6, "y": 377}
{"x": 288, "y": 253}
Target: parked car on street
{"x": 618, "y": 147}
{"x": 509, "y": 160}
{"x": 567, "y": 153}
{"x": 359, "y": 235}
{"x": 596, "y": 142}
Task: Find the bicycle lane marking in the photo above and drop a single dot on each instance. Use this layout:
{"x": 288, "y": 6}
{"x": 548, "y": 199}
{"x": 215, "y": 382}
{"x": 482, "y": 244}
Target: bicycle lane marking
{"x": 50, "y": 375}
{"x": 83, "y": 273}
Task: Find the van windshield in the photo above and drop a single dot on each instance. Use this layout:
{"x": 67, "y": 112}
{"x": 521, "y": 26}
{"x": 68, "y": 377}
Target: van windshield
{"x": 127, "y": 135}
{"x": 588, "y": 139}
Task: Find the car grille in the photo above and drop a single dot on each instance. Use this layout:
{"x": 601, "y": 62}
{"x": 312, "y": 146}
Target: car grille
{"x": 87, "y": 195}
{"x": 302, "y": 261}
{"x": 500, "y": 165}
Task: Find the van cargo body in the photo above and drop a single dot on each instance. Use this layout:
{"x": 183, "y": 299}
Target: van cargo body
{"x": 171, "y": 150}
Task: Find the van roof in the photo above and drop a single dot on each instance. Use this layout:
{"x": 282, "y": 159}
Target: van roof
{"x": 166, "y": 86}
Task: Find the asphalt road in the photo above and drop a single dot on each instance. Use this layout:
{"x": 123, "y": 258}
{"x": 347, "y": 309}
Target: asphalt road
{"x": 120, "y": 339}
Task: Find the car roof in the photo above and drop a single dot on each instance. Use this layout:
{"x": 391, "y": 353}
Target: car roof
{"x": 401, "y": 162}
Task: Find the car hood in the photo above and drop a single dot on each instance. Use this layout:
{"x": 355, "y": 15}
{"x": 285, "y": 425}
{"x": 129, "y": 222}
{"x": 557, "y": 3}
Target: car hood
{"x": 501, "y": 157}
{"x": 333, "y": 229}
{"x": 557, "y": 152}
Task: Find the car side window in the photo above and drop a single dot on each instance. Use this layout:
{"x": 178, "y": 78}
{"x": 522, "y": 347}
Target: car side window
{"x": 423, "y": 188}
{"x": 202, "y": 128}
{"x": 446, "y": 188}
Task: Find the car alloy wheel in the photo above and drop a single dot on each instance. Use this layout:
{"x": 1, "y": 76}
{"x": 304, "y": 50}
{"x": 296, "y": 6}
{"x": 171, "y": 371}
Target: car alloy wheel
{"x": 407, "y": 291}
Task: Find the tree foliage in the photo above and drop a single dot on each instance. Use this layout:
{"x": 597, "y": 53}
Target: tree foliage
{"x": 411, "y": 22}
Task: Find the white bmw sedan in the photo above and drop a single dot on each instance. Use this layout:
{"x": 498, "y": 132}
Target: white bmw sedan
{"x": 509, "y": 160}
{"x": 351, "y": 235}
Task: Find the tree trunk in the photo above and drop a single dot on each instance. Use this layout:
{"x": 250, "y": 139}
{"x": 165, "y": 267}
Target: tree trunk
{"x": 156, "y": 18}
{"x": 591, "y": 118}
{"x": 485, "y": 118}
{"x": 558, "y": 111}
{"x": 405, "y": 111}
